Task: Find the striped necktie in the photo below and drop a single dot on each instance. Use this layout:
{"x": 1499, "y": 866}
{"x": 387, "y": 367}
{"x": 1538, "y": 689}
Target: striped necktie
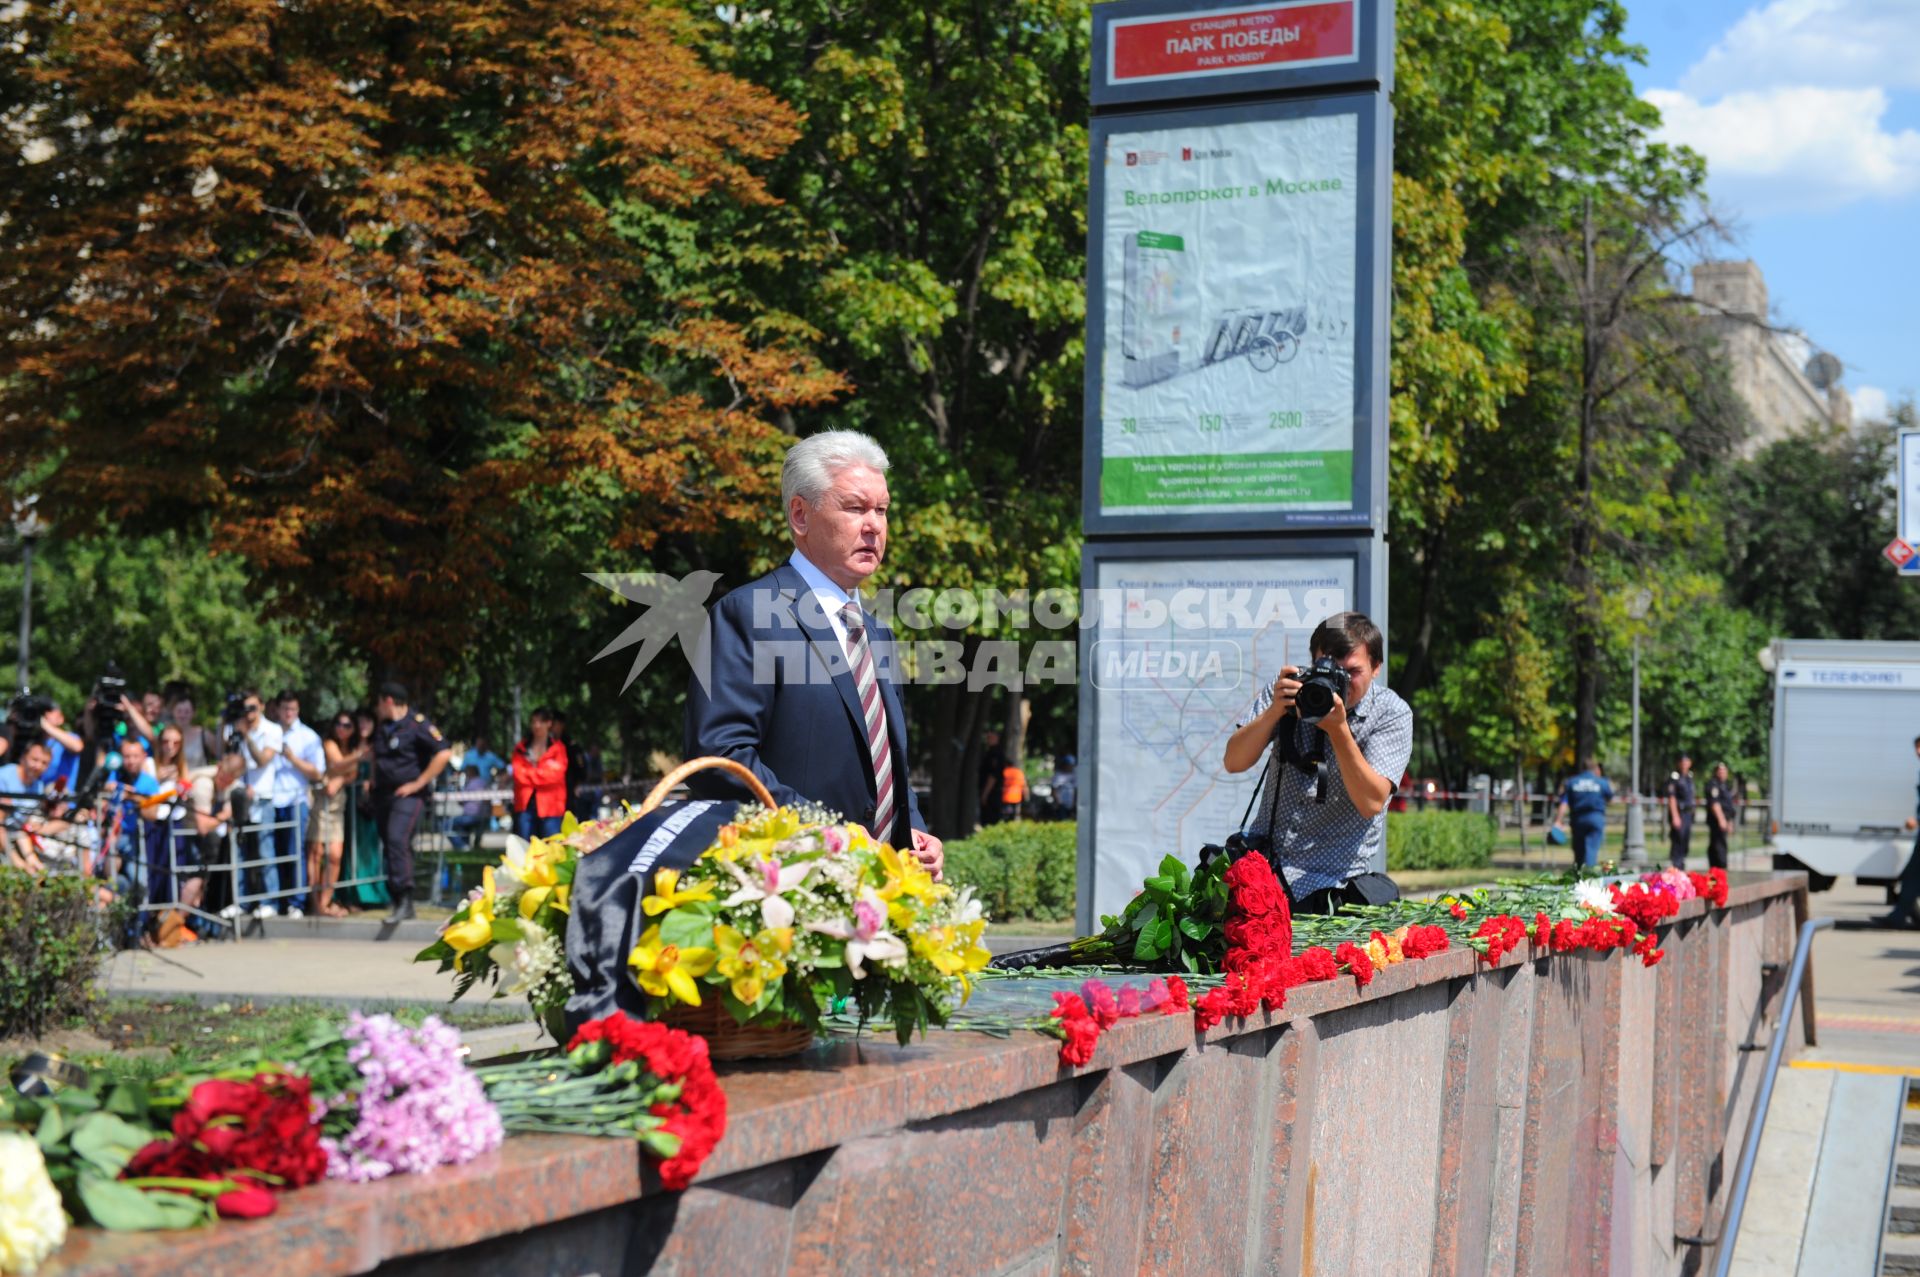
{"x": 868, "y": 685}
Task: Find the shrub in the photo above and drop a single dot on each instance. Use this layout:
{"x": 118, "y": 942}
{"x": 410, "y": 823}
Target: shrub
{"x": 1439, "y": 840}
{"x": 49, "y": 951}
{"x": 1021, "y": 869}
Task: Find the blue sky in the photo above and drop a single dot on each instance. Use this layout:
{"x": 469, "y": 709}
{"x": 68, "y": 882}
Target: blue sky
{"x": 1808, "y": 112}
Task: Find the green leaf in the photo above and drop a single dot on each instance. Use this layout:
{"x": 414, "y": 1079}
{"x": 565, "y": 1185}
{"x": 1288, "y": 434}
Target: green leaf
{"x": 689, "y": 926}
{"x": 108, "y": 1143}
{"x": 1148, "y": 946}
{"x": 124, "y": 1208}
{"x": 129, "y": 1100}
{"x": 1194, "y": 928}
{"x": 52, "y": 1129}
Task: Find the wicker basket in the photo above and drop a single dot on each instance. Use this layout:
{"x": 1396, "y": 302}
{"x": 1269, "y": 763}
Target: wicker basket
{"x": 727, "y": 1039}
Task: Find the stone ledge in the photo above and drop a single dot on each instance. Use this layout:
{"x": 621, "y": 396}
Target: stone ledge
{"x": 838, "y": 1092}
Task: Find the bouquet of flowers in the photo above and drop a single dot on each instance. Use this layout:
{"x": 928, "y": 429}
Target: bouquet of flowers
{"x": 620, "y": 1076}
{"x": 792, "y": 912}
{"x": 513, "y": 926}
{"x": 391, "y": 1099}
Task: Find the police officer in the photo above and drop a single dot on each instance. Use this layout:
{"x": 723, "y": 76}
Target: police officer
{"x": 1583, "y": 801}
{"x": 408, "y": 753}
{"x": 1720, "y": 815}
{"x": 1680, "y": 803}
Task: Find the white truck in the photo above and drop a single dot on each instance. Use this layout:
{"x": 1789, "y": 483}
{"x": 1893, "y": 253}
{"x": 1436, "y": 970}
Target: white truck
{"x": 1845, "y": 715}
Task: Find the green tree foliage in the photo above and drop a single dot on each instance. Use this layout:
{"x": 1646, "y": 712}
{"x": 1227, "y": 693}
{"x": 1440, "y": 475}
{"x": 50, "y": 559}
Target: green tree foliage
{"x": 943, "y": 157}
{"x": 1807, "y": 519}
{"x": 166, "y": 608}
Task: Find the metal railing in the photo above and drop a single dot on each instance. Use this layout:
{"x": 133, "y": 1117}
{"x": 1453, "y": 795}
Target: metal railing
{"x": 1757, "y": 1121}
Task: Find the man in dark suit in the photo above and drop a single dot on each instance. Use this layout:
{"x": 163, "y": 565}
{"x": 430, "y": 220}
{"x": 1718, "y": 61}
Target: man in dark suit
{"x": 800, "y": 681}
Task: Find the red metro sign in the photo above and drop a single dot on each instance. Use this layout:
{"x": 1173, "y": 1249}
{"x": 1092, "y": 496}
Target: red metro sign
{"x": 1233, "y": 41}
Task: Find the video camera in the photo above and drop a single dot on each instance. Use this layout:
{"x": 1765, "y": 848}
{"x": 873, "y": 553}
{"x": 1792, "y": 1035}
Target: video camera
{"x": 1320, "y": 685}
{"x": 108, "y": 691}
{"x": 231, "y": 715}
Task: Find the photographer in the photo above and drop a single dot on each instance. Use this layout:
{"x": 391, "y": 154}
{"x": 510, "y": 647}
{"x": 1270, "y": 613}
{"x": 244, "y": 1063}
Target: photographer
{"x": 257, "y": 739}
{"x": 1338, "y": 737}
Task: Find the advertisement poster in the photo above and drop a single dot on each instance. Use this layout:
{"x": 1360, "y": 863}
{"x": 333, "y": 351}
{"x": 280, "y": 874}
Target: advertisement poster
{"x": 1178, "y": 651}
{"x": 1228, "y": 359}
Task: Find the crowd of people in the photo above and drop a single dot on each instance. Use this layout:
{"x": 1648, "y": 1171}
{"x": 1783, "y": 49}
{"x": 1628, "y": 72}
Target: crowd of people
{"x": 198, "y": 819}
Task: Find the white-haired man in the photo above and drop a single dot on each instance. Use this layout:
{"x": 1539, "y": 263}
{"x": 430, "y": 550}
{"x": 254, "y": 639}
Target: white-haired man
{"x": 800, "y": 684}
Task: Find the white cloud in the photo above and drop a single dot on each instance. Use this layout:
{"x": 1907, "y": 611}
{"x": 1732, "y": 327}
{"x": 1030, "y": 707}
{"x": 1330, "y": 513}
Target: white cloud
{"x": 1832, "y": 43}
{"x": 1870, "y": 403}
{"x": 1795, "y": 148}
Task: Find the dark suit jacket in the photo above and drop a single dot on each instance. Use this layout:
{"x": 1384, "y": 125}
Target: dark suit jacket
{"x": 780, "y": 699}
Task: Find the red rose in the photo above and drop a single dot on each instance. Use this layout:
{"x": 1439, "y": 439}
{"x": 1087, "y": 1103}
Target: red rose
{"x": 250, "y": 1201}
{"x": 263, "y": 1125}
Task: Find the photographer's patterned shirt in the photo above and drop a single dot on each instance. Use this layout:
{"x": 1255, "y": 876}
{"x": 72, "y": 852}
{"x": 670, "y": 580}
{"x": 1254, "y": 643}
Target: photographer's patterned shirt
{"x": 1315, "y": 844}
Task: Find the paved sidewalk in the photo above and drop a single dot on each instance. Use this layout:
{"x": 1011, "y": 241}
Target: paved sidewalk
{"x": 345, "y": 971}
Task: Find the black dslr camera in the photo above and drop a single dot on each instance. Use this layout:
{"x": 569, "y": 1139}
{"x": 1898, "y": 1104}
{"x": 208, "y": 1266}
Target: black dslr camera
{"x": 1320, "y": 684}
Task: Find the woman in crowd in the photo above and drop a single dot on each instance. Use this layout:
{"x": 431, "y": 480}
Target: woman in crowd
{"x": 327, "y": 835}
{"x": 170, "y": 774}
{"x": 368, "y": 867}
{"x": 199, "y": 746}
{"x": 539, "y": 779}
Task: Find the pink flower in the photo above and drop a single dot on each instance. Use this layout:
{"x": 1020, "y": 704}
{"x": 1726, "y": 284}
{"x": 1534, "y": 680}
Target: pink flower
{"x": 867, "y": 919}
{"x": 770, "y": 876}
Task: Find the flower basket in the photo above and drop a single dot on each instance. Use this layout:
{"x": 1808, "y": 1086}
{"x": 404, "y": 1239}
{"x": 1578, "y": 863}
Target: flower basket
{"x": 727, "y": 1038}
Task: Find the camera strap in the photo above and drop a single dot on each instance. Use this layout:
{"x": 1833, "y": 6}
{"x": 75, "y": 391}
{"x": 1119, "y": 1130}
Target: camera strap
{"x": 1312, "y": 759}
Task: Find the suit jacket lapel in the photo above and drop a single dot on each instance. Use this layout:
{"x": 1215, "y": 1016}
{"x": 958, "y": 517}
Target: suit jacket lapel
{"x": 826, "y": 645}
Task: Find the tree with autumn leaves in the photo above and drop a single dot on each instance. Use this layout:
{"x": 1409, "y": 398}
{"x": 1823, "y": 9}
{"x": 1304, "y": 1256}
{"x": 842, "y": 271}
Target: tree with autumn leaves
{"x": 354, "y": 279}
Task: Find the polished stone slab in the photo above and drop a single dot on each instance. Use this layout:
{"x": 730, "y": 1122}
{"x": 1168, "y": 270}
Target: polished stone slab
{"x": 1447, "y": 1116}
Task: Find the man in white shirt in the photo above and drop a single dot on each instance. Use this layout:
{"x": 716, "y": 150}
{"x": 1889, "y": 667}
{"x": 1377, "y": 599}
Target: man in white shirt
{"x": 303, "y": 764}
{"x": 261, "y": 740}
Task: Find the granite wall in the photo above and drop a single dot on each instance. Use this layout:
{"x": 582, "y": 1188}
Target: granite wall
{"x": 1573, "y": 1115}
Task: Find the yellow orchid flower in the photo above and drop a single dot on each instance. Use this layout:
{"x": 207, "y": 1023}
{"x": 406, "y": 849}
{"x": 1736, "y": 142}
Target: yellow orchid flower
{"x": 667, "y": 894}
{"x": 749, "y": 964}
{"x": 905, "y": 876}
{"x": 668, "y": 971}
{"x": 477, "y": 931}
{"x": 533, "y": 897}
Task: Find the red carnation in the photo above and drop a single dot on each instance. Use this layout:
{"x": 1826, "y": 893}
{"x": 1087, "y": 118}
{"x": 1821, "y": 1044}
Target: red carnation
{"x": 1458, "y": 910}
{"x": 1542, "y": 930}
{"x": 1098, "y": 999}
{"x": 698, "y": 1117}
{"x": 1211, "y": 1008}
{"x": 1176, "y": 994}
{"x": 1078, "y": 1028}
{"x": 1355, "y": 959}
{"x": 1317, "y": 964}
{"x": 1424, "y": 941}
